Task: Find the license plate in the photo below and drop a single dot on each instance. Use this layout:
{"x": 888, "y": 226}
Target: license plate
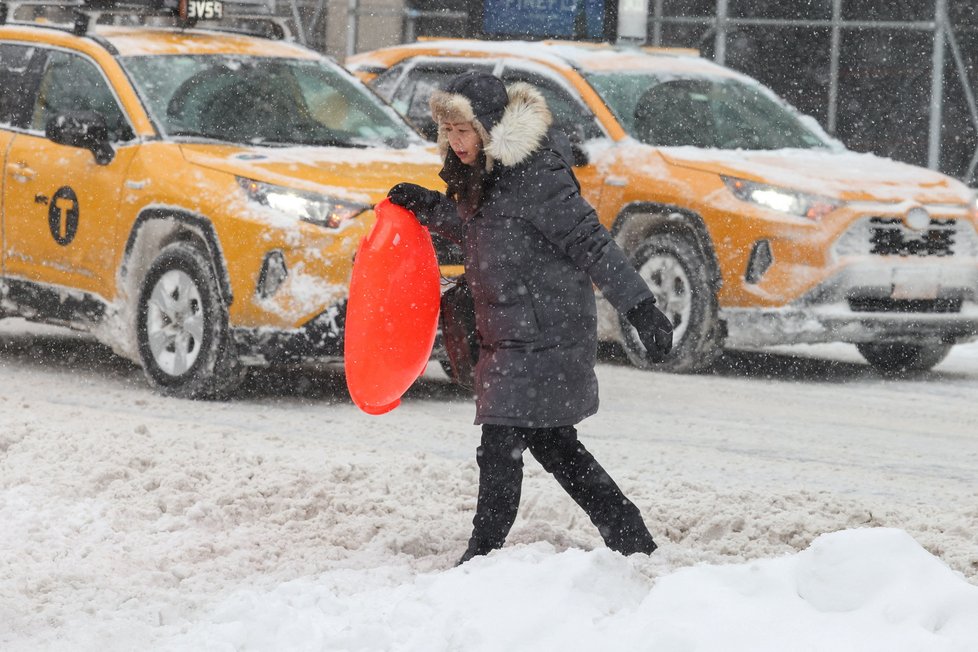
{"x": 912, "y": 284}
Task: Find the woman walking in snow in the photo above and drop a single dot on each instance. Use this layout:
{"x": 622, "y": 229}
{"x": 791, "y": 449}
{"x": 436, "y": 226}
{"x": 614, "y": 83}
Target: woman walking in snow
{"x": 533, "y": 247}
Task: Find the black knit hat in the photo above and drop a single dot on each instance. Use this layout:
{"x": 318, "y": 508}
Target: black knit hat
{"x": 485, "y": 92}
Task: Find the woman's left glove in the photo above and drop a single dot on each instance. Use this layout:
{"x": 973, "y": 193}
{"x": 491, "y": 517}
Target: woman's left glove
{"x": 653, "y": 328}
{"x": 415, "y": 198}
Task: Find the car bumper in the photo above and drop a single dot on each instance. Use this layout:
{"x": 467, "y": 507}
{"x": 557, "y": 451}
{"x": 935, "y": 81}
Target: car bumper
{"x": 839, "y": 324}
{"x": 320, "y": 340}
{"x": 875, "y": 280}
{"x": 908, "y": 301}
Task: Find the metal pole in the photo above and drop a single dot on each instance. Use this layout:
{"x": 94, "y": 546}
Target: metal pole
{"x": 834, "y": 66}
{"x": 969, "y": 174}
{"x": 720, "y": 47}
{"x": 318, "y": 33}
{"x": 937, "y": 86}
{"x": 297, "y": 17}
{"x": 352, "y": 27}
{"x": 969, "y": 94}
{"x": 408, "y": 29}
{"x": 657, "y": 23}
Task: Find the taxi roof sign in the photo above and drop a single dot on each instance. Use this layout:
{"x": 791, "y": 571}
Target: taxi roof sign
{"x": 201, "y": 9}
{"x": 81, "y": 16}
{"x": 185, "y": 9}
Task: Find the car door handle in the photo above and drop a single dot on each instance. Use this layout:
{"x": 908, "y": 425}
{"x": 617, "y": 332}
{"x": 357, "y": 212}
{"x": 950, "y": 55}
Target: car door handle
{"x": 21, "y": 171}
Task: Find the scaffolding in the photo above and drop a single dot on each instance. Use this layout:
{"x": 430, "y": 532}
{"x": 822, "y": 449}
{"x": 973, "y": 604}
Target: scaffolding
{"x": 944, "y": 40}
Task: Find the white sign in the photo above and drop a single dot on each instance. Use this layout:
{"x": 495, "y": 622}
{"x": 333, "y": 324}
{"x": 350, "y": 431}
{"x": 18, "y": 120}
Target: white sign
{"x": 205, "y": 9}
{"x": 633, "y": 19}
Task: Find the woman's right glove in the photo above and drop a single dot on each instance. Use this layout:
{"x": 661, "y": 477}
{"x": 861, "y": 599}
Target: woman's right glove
{"x": 653, "y": 328}
{"x": 415, "y": 198}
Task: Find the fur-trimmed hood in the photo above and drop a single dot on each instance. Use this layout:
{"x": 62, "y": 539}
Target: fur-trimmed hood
{"x": 516, "y": 135}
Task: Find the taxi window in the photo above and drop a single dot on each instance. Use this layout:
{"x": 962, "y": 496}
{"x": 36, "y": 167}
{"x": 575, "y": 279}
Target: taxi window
{"x": 14, "y": 82}
{"x": 385, "y": 83}
{"x": 71, "y": 83}
{"x": 570, "y": 115}
{"x": 411, "y": 99}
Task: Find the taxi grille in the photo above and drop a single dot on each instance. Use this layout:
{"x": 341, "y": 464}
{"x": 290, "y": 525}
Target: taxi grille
{"x": 890, "y": 237}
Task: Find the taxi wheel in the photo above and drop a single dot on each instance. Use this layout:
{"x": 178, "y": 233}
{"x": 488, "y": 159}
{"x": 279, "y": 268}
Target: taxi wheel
{"x": 446, "y": 366}
{"x": 182, "y": 327}
{"x": 896, "y": 358}
{"x": 676, "y": 273}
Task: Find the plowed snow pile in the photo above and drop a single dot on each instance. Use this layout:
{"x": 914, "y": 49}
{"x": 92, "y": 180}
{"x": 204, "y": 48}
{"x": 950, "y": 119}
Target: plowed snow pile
{"x": 800, "y": 502}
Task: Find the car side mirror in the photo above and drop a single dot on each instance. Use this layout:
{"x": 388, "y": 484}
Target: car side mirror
{"x": 84, "y": 129}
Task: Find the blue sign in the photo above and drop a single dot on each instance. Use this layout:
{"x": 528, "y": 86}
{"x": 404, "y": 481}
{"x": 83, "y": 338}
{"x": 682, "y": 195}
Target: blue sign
{"x": 575, "y": 19}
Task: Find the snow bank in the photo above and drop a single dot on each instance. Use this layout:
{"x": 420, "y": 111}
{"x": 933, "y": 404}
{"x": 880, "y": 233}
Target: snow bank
{"x": 286, "y": 519}
{"x": 867, "y": 589}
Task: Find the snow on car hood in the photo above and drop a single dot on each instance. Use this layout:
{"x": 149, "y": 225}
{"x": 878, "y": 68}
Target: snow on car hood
{"x": 364, "y": 175}
{"x": 841, "y": 174}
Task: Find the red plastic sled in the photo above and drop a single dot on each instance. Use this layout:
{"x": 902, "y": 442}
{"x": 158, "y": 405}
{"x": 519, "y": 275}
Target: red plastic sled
{"x": 392, "y": 313}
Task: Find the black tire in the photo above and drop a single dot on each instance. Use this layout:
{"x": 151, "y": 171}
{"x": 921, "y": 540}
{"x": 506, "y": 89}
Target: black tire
{"x": 678, "y": 276}
{"x": 446, "y": 366}
{"x": 893, "y": 358}
{"x": 182, "y": 327}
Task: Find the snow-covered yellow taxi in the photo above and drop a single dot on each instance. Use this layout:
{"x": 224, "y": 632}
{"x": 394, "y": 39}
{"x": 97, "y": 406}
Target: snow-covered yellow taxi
{"x": 752, "y": 226}
{"x": 194, "y": 197}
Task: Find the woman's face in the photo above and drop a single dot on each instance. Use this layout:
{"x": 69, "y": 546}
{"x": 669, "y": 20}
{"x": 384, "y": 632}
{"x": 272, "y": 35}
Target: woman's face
{"x": 464, "y": 141}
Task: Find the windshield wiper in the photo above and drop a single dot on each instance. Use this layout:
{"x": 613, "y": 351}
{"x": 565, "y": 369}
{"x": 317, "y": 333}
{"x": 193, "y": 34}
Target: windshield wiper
{"x": 331, "y": 142}
{"x": 189, "y": 133}
{"x": 314, "y": 142}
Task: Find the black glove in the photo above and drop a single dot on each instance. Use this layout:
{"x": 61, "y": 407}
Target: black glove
{"x": 653, "y": 327}
{"x": 415, "y": 198}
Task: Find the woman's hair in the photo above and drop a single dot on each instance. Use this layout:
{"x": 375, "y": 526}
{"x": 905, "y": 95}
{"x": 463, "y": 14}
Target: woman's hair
{"x": 466, "y": 183}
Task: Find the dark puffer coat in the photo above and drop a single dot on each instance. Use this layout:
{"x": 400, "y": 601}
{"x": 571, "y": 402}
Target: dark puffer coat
{"x": 532, "y": 250}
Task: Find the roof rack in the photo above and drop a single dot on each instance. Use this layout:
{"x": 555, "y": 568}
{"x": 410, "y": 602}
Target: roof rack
{"x": 81, "y": 16}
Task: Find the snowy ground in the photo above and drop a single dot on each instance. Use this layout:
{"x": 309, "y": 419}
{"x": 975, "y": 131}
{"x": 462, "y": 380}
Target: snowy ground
{"x": 287, "y": 520}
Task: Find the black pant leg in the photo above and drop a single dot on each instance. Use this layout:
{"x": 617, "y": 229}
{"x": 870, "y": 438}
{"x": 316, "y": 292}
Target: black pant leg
{"x": 500, "y": 459}
{"x": 617, "y": 518}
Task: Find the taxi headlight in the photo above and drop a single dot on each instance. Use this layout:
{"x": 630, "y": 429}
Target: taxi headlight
{"x": 311, "y": 207}
{"x": 783, "y": 200}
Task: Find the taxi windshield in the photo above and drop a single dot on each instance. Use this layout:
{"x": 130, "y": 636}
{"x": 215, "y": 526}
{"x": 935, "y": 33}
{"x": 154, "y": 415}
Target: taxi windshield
{"x": 262, "y": 100}
{"x": 716, "y": 113}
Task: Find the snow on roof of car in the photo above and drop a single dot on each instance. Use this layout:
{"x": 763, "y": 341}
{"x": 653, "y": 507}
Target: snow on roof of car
{"x": 589, "y": 56}
{"x": 133, "y": 41}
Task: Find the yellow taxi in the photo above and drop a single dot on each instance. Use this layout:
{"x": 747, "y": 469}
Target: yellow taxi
{"x": 751, "y": 225}
{"x": 192, "y": 196}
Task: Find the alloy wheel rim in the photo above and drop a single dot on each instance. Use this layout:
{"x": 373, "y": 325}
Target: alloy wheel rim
{"x": 670, "y": 284}
{"x": 175, "y": 322}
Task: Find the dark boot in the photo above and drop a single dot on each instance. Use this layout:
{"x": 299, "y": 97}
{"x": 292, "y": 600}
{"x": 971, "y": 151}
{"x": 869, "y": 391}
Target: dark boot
{"x": 475, "y": 549}
{"x": 500, "y": 459}
{"x": 630, "y": 535}
{"x": 617, "y": 518}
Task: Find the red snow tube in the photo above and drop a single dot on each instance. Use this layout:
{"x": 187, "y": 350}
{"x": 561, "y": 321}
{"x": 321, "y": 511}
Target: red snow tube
{"x": 392, "y": 313}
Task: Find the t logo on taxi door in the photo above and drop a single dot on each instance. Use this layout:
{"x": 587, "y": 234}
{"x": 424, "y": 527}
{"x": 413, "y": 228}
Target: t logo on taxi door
{"x": 63, "y": 215}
